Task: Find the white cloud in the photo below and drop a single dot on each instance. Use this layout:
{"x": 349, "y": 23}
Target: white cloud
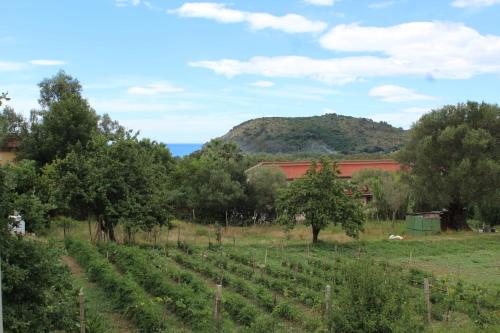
{"x": 290, "y": 23}
{"x": 46, "y": 62}
{"x": 125, "y": 3}
{"x": 474, "y": 3}
{"x": 262, "y": 84}
{"x": 320, "y": 2}
{"x": 426, "y": 49}
{"x": 393, "y": 93}
{"x": 11, "y": 66}
{"x": 154, "y": 89}
{"x": 437, "y": 49}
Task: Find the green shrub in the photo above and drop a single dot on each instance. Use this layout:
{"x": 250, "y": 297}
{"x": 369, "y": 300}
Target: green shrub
{"x": 374, "y": 300}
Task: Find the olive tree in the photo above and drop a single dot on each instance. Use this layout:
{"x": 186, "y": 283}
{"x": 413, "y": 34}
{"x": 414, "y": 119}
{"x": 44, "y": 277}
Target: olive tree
{"x": 453, "y": 156}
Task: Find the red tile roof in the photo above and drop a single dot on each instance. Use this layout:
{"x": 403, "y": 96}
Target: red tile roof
{"x": 297, "y": 169}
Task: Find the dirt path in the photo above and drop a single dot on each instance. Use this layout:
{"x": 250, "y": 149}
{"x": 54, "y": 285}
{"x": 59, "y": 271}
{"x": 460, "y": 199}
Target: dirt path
{"x": 119, "y": 323}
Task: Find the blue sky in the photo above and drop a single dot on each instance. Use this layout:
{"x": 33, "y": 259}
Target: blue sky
{"x": 185, "y": 72}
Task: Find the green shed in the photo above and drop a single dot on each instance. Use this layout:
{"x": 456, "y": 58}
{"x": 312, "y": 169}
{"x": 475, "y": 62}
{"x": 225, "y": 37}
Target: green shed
{"x": 420, "y": 224}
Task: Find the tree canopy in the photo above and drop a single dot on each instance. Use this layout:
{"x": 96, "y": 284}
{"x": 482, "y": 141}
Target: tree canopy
{"x": 66, "y": 120}
{"x": 454, "y": 158}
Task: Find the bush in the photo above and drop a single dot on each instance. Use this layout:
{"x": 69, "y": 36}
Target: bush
{"x": 374, "y": 300}
{"x": 37, "y": 290}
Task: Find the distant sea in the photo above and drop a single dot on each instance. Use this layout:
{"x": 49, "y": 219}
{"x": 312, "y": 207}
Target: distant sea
{"x": 183, "y": 149}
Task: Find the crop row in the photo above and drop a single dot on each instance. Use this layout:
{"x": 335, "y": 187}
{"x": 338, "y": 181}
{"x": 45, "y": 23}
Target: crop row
{"x": 285, "y": 283}
{"x": 125, "y": 293}
{"x": 261, "y": 295}
{"x": 233, "y": 305}
{"x": 478, "y": 303}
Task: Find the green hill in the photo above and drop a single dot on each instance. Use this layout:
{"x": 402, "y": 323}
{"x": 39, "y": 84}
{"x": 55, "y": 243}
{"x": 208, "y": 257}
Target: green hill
{"x": 330, "y": 133}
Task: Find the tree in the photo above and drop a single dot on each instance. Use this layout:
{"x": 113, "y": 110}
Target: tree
{"x": 54, "y": 89}
{"x": 67, "y": 120}
{"x": 454, "y": 158}
{"x": 212, "y": 182}
{"x": 389, "y": 192}
{"x": 13, "y": 126}
{"x": 322, "y": 198}
{"x": 264, "y": 184}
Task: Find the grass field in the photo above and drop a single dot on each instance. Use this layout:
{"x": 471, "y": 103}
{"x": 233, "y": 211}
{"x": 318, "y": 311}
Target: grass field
{"x": 272, "y": 278}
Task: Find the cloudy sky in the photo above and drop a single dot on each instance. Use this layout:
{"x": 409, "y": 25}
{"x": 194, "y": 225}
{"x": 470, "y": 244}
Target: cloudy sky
{"x": 185, "y": 72}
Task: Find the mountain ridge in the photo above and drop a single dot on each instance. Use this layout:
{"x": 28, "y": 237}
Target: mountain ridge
{"x": 325, "y": 134}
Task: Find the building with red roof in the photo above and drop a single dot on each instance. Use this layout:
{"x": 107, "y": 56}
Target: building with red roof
{"x": 297, "y": 169}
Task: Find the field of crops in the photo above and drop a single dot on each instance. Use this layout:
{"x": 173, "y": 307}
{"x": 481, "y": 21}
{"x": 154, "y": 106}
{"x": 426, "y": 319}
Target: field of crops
{"x": 277, "y": 289}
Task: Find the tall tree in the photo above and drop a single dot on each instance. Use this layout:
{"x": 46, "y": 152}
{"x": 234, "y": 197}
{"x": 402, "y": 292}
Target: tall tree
{"x": 322, "y": 199}
{"x": 454, "y": 158}
{"x": 66, "y": 120}
{"x": 54, "y": 89}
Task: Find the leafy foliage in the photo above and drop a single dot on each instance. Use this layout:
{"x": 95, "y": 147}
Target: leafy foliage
{"x": 127, "y": 295}
{"x": 374, "y": 300}
{"x": 264, "y": 184}
{"x": 391, "y": 195}
{"x": 454, "y": 157}
{"x": 320, "y": 196}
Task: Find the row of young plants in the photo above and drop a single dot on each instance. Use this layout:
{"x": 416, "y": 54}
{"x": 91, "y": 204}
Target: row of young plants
{"x": 447, "y": 295}
{"x": 127, "y": 296}
{"x": 261, "y": 295}
{"x": 479, "y": 304}
{"x": 189, "y": 302}
{"x": 266, "y": 275}
{"x": 292, "y": 273}
{"x": 234, "y": 306}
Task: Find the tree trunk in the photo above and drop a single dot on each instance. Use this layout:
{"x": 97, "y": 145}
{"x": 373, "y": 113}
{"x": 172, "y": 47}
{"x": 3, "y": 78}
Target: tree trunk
{"x": 111, "y": 232}
{"x": 456, "y": 217}
{"x": 315, "y": 231}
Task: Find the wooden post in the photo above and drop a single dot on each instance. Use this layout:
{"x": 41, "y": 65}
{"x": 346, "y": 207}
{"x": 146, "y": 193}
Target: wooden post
{"x": 178, "y": 235}
{"x": 265, "y": 259}
{"x": 217, "y": 308}
{"x": 1, "y": 304}
{"x": 427, "y": 293}
{"x": 82, "y": 311}
{"x": 227, "y": 223}
{"x": 359, "y": 252}
{"x": 328, "y": 306}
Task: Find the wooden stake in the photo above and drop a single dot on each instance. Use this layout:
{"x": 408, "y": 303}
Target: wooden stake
{"x": 227, "y": 223}
{"x": 427, "y": 295}
{"x": 328, "y": 301}
{"x": 217, "y": 308}
{"x": 265, "y": 259}
{"x": 82, "y": 311}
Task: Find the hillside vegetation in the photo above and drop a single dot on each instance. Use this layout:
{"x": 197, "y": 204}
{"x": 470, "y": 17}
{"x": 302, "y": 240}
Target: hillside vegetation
{"x": 330, "y": 133}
